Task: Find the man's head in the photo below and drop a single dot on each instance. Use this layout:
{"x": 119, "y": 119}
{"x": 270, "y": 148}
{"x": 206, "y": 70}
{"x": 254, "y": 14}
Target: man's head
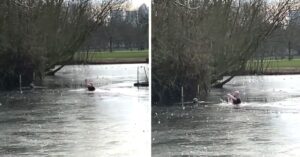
{"x": 236, "y": 93}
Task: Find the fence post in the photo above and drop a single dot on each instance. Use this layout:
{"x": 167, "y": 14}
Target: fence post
{"x": 138, "y": 75}
{"x": 198, "y": 90}
{"x": 182, "y": 95}
{"x": 20, "y": 83}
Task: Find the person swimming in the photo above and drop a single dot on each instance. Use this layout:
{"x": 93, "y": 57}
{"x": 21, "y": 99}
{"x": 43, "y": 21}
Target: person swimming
{"x": 234, "y": 98}
{"x": 89, "y": 86}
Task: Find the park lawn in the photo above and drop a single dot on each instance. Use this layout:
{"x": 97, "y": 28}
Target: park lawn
{"x": 120, "y": 54}
{"x": 282, "y": 64}
{"x": 115, "y": 56}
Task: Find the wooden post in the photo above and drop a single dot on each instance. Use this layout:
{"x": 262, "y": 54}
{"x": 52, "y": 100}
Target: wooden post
{"x": 138, "y": 76}
{"x": 198, "y": 90}
{"x": 146, "y": 73}
{"x": 20, "y": 83}
{"x": 182, "y": 95}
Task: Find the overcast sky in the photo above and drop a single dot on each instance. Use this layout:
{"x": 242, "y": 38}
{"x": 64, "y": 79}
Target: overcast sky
{"x": 137, "y": 3}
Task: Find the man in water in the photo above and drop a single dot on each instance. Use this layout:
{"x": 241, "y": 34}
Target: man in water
{"x": 89, "y": 86}
{"x": 234, "y": 97}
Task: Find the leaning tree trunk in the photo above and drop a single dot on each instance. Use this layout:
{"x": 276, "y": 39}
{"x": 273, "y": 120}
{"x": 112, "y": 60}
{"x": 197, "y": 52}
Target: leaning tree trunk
{"x": 221, "y": 84}
{"x": 52, "y": 72}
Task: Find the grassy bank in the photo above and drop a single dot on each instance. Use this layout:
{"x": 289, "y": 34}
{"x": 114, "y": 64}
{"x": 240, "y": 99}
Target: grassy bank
{"x": 281, "y": 66}
{"x": 283, "y": 63}
{"x": 126, "y": 56}
{"x": 278, "y": 63}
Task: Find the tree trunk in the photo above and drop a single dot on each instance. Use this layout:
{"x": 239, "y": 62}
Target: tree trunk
{"x": 110, "y": 44}
{"x": 221, "y": 84}
{"x": 289, "y": 47}
{"x": 52, "y": 72}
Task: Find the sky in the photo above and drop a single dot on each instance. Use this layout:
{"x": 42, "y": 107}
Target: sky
{"x": 137, "y": 3}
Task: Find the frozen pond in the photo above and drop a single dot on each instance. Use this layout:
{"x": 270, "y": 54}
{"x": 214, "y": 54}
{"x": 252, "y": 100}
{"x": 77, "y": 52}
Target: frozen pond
{"x": 66, "y": 120}
{"x": 266, "y": 123}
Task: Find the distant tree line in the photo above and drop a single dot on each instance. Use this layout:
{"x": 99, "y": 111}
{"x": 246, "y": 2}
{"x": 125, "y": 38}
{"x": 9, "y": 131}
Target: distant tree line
{"x": 284, "y": 41}
{"x": 196, "y": 43}
{"x": 37, "y": 35}
{"x": 124, "y": 29}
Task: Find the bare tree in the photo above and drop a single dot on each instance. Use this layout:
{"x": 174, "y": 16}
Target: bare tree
{"x": 124, "y": 29}
{"x": 196, "y": 43}
{"x": 37, "y": 35}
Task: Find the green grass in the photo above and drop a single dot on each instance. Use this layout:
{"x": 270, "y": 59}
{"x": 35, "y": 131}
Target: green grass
{"x": 115, "y": 55}
{"x": 120, "y": 54}
{"x": 282, "y": 63}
